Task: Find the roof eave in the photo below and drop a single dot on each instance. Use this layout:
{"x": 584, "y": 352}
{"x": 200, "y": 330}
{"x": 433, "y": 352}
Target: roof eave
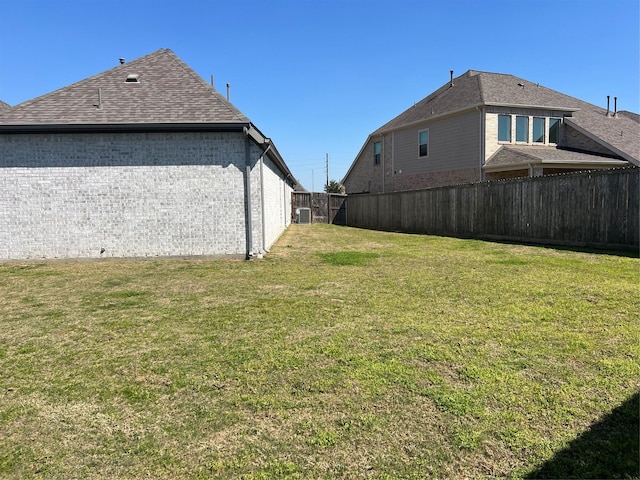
{"x": 351, "y": 167}
{"x": 631, "y": 159}
{"x": 556, "y": 164}
{"x": 533, "y": 107}
{"x": 475, "y": 107}
{"x": 271, "y": 151}
{"x": 123, "y": 127}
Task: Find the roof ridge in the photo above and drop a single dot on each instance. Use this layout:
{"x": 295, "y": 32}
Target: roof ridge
{"x": 40, "y": 98}
{"x": 191, "y": 72}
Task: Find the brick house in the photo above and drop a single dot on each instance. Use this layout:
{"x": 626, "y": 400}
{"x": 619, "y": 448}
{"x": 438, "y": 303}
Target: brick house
{"x": 484, "y": 126}
{"x": 145, "y": 159}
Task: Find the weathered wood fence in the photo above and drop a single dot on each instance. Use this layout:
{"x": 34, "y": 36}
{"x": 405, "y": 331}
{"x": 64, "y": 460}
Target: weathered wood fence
{"x": 592, "y": 209}
{"x": 325, "y": 207}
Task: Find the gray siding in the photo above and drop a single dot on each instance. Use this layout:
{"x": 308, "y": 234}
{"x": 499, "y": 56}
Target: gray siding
{"x": 364, "y": 175}
{"x": 454, "y": 144}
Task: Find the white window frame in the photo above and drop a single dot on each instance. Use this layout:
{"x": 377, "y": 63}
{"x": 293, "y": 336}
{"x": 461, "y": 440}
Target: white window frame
{"x": 529, "y": 131}
{"x": 377, "y": 156}
{"x": 544, "y": 130}
{"x": 510, "y": 117}
{"x": 420, "y": 144}
{"x": 526, "y": 130}
{"x": 549, "y": 130}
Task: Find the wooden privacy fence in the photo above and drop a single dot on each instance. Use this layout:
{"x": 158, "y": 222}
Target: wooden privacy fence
{"x": 325, "y": 207}
{"x": 595, "y": 208}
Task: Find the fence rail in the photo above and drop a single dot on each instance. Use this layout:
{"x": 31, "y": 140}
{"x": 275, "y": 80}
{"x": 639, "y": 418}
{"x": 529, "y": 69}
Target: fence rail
{"x": 596, "y": 208}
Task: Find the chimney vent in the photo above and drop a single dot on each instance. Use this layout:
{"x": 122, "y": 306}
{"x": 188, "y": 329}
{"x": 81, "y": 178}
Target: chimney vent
{"x": 121, "y": 61}
{"x": 615, "y": 106}
{"x": 451, "y": 79}
{"x": 608, "y": 99}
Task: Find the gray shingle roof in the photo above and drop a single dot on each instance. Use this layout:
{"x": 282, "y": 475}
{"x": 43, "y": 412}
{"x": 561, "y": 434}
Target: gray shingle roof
{"x": 4, "y": 107}
{"x": 619, "y": 133}
{"x": 475, "y": 89}
{"x": 515, "y": 154}
{"x": 167, "y": 91}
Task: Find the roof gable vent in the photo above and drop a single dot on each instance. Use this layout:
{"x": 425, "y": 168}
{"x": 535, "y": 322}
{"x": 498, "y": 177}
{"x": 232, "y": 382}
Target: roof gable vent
{"x": 133, "y": 78}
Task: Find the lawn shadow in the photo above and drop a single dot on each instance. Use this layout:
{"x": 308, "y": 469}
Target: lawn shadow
{"x": 609, "y": 449}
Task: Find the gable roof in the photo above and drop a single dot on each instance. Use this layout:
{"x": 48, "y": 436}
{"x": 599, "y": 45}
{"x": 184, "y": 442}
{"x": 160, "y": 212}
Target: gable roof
{"x": 476, "y": 89}
{"x": 4, "y": 107}
{"x": 155, "y": 92}
{"x": 166, "y": 91}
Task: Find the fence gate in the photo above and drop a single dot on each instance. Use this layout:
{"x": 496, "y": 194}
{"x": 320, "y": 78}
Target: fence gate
{"x": 325, "y": 207}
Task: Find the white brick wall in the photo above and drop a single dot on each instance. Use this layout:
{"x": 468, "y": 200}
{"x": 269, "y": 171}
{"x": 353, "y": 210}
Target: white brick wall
{"x": 277, "y": 203}
{"x": 129, "y": 194}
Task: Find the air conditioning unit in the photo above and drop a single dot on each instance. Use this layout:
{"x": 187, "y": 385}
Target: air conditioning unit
{"x": 303, "y": 215}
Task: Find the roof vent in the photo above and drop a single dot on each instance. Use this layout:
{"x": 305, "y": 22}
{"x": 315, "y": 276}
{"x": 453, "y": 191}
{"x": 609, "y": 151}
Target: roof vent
{"x": 121, "y": 61}
{"x": 133, "y": 78}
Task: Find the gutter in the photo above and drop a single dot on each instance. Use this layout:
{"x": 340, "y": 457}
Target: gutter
{"x": 470, "y": 108}
{"x": 259, "y": 139}
{"x": 557, "y": 164}
{"x": 122, "y": 127}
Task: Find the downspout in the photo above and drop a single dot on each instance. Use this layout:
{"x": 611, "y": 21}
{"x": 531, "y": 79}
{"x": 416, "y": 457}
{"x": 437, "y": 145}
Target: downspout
{"x": 247, "y": 189}
{"x": 393, "y": 160}
{"x": 482, "y": 140}
{"x": 382, "y": 155}
{"x": 264, "y": 215}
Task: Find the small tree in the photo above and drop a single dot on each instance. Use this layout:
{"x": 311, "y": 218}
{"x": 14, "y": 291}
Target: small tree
{"x": 334, "y": 187}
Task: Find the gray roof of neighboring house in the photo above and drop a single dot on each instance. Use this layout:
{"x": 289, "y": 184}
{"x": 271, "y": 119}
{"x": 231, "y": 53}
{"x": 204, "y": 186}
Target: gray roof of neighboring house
{"x": 525, "y": 155}
{"x": 619, "y": 133}
{"x": 475, "y": 89}
{"x": 166, "y": 91}
{"x": 4, "y": 107}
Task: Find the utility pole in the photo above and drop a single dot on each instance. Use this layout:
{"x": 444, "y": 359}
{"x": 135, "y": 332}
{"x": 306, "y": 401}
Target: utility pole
{"x": 327, "y": 189}
{"x": 327, "y": 168}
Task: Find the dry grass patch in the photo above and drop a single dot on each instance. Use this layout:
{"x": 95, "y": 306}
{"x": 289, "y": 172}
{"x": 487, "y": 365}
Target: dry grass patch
{"x": 344, "y": 353}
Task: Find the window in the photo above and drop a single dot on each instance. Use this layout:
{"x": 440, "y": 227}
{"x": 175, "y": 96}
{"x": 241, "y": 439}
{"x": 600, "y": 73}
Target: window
{"x": 423, "y": 141}
{"x": 377, "y": 149}
{"x": 554, "y": 130}
{"x": 538, "y": 130}
{"x": 504, "y": 128}
{"x": 522, "y": 129}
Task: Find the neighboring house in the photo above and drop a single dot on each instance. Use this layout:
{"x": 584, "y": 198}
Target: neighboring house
{"x": 484, "y": 126}
{"x": 145, "y": 159}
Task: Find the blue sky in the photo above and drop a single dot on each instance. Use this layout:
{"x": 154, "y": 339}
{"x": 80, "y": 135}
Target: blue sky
{"x": 319, "y": 76}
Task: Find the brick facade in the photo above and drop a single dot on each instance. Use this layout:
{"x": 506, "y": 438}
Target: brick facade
{"x": 136, "y": 195}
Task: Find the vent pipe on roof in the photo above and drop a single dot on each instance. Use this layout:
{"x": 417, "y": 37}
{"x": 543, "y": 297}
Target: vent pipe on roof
{"x": 615, "y": 106}
{"x": 608, "y": 97}
{"x": 451, "y": 80}
{"x": 121, "y": 61}
{"x": 212, "y": 79}
{"x": 228, "y": 87}
{"x": 99, "y": 104}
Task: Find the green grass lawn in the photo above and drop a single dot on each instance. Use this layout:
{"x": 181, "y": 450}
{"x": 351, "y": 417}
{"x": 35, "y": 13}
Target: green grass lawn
{"x": 344, "y": 353}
